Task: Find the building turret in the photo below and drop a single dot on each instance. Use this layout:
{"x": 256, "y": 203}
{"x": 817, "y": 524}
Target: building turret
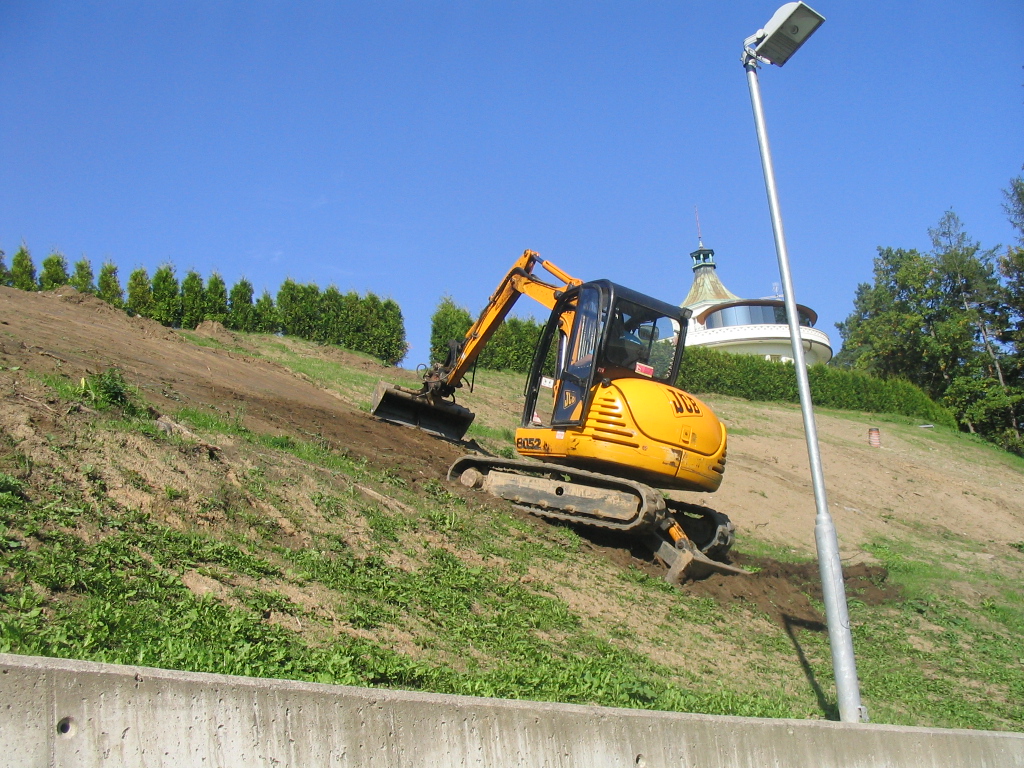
{"x": 706, "y": 285}
{"x": 723, "y": 320}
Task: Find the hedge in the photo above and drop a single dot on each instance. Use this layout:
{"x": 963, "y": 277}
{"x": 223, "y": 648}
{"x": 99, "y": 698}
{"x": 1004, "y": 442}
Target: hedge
{"x": 754, "y": 378}
{"x": 362, "y": 323}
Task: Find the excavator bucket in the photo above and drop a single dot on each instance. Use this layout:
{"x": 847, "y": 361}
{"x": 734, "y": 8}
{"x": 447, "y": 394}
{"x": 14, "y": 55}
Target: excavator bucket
{"x": 414, "y": 409}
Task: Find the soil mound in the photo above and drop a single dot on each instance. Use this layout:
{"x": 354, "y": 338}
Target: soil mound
{"x": 211, "y": 329}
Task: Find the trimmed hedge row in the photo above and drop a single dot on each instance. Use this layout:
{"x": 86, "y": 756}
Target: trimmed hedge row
{"x": 362, "y": 323}
{"x": 754, "y": 378}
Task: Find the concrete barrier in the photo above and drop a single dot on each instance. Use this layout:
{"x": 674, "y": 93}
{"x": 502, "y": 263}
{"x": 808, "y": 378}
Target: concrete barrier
{"x": 55, "y": 712}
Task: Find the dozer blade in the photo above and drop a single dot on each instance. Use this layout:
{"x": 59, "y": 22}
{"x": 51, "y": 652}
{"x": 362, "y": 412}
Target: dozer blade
{"x": 413, "y": 409}
{"x": 688, "y": 562}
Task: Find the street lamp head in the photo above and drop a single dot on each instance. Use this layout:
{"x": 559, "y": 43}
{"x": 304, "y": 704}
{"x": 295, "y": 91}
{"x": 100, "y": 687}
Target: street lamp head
{"x": 784, "y": 33}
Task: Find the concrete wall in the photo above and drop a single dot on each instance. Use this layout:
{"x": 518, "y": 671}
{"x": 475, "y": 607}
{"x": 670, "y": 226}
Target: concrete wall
{"x": 55, "y": 712}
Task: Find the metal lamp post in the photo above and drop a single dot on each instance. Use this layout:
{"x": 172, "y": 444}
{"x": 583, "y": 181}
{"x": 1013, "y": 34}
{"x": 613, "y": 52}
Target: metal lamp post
{"x": 785, "y": 32}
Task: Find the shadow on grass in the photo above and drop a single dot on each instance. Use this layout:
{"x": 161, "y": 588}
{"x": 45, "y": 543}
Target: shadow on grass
{"x": 828, "y": 709}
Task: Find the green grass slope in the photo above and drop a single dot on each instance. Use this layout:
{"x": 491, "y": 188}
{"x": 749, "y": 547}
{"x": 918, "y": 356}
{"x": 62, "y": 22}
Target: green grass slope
{"x": 210, "y": 546}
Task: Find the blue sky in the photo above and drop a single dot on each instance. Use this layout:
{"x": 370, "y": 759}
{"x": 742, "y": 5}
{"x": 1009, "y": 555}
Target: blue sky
{"x": 414, "y": 149}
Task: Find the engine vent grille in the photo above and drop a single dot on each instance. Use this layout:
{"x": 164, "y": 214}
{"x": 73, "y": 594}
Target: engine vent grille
{"x": 607, "y": 422}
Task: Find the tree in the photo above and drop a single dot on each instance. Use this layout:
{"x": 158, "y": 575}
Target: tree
{"x": 969, "y": 279}
{"x": 381, "y": 332}
{"x": 1014, "y": 206}
{"x": 332, "y": 326}
{"x": 82, "y": 279}
{"x": 5, "y": 274}
{"x": 393, "y": 344}
{"x": 216, "y": 299}
{"x": 55, "y": 272}
{"x": 904, "y": 326}
{"x": 166, "y": 297}
{"x": 512, "y": 346}
{"x": 449, "y": 322}
{"x": 193, "y": 300}
{"x": 351, "y": 320}
{"x": 298, "y": 307}
{"x": 945, "y": 321}
{"x": 23, "y": 271}
{"x": 265, "y": 317}
{"x": 108, "y": 286}
{"x": 988, "y": 406}
{"x": 140, "y": 293}
{"x": 1011, "y": 269}
{"x": 240, "y": 310}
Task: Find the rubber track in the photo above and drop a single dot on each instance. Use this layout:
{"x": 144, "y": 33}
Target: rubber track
{"x": 652, "y": 510}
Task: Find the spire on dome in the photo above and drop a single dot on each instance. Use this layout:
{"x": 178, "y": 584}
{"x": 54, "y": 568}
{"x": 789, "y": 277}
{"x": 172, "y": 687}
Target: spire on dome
{"x": 706, "y": 284}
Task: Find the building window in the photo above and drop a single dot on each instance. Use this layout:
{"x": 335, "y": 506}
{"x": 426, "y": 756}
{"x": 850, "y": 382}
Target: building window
{"x": 747, "y": 314}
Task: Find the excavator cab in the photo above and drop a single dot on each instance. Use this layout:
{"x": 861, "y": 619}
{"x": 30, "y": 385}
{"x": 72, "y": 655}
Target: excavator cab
{"x": 601, "y": 395}
{"x": 600, "y": 332}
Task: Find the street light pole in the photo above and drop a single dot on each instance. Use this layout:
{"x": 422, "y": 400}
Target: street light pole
{"x": 791, "y": 25}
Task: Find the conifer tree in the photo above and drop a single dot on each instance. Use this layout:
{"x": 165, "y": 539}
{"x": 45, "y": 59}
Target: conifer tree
{"x": 240, "y": 309}
{"x": 108, "y": 286}
{"x": 351, "y": 322}
{"x": 216, "y": 299}
{"x": 140, "y": 293}
{"x": 449, "y": 322}
{"x": 298, "y": 307}
{"x": 166, "y": 297}
{"x": 330, "y": 328}
{"x": 512, "y": 346}
{"x": 23, "y": 271}
{"x": 55, "y": 272}
{"x": 391, "y": 333}
{"x": 5, "y": 274}
{"x": 372, "y": 333}
{"x": 82, "y": 279}
{"x": 193, "y": 300}
{"x": 265, "y": 319}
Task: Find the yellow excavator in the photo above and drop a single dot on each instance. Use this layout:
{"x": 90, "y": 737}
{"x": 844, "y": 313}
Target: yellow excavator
{"x": 604, "y": 430}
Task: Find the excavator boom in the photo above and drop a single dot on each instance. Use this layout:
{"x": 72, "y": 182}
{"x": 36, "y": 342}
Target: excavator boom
{"x": 427, "y": 408}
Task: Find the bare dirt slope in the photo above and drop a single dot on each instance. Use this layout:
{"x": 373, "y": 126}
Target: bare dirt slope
{"x": 73, "y": 334}
{"x": 914, "y": 481}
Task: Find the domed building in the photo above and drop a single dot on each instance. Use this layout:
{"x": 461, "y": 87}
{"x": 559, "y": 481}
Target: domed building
{"x": 724, "y": 321}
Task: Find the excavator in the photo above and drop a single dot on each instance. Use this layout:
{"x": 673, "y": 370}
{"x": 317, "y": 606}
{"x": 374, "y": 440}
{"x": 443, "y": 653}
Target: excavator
{"x": 605, "y": 433}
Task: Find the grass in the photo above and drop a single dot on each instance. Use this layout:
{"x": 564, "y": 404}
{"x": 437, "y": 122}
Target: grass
{"x": 120, "y": 598}
{"x": 211, "y": 343}
{"x": 419, "y": 587}
{"x": 102, "y": 391}
{"x": 937, "y": 436}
